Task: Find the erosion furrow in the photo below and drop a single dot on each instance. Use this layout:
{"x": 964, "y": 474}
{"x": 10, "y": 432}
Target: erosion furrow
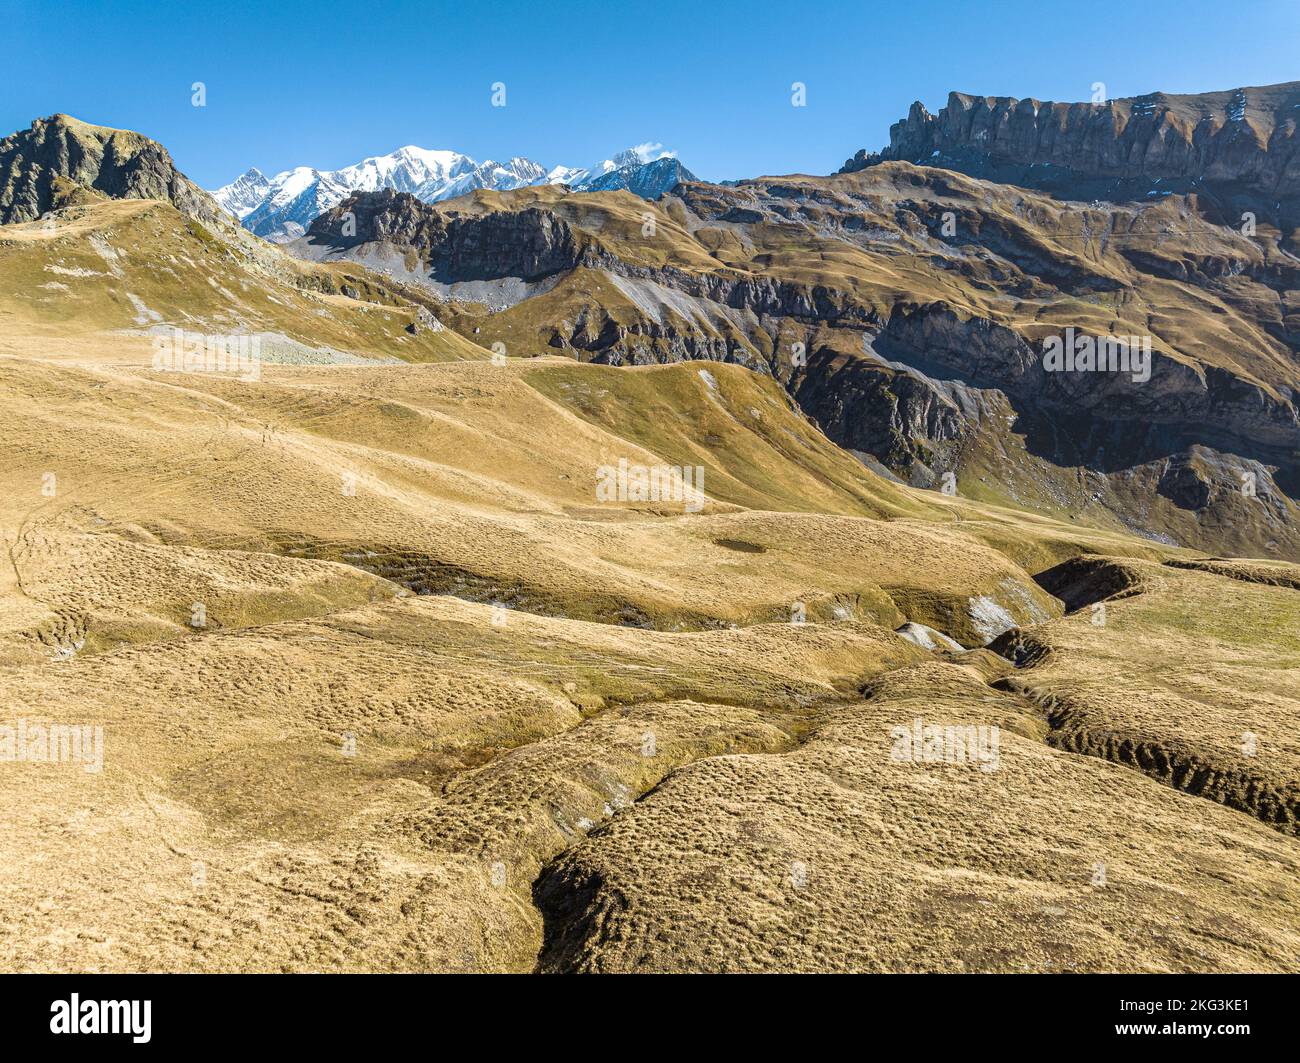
{"x": 1168, "y": 761}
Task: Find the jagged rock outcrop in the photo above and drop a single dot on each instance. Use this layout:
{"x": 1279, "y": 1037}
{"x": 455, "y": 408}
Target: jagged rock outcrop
{"x": 1242, "y": 140}
{"x": 36, "y": 164}
{"x": 529, "y": 243}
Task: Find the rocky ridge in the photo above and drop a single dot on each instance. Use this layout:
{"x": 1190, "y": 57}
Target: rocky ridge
{"x": 918, "y": 301}
{"x": 37, "y": 166}
{"x": 1240, "y": 143}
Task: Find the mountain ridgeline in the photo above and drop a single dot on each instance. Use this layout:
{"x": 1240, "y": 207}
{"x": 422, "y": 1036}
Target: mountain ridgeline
{"x": 281, "y": 208}
{"x": 907, "y": 308}
{"x": 906, "y": 303}
{"x": 1240, "y": 145}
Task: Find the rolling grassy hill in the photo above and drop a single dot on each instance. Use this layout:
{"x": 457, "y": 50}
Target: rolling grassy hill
{"x": 385, "y": 683}
{"x": 906, "y": 309}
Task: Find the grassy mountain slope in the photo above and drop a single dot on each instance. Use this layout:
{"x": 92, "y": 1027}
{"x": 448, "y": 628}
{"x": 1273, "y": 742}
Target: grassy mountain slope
{"x": 905, "y": 308}
{"x": 386, "y": 685}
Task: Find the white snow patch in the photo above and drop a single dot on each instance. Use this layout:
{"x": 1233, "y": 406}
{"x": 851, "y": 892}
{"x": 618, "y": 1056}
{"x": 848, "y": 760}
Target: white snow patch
{"x": 66, "y": 653}
{"x": 989, "y": 618}
{"x": 143, "y": 315}
{"x": 107, "y": 252}
{"x": 76, "y": 271}
{"x": 928, "y": 638}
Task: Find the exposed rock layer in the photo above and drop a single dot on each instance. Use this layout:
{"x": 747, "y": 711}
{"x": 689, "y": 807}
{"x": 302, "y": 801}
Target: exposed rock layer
{"x": 1243, "y": 139}
{"x": 918, "y": 302}
{"x": 38, "y": 165}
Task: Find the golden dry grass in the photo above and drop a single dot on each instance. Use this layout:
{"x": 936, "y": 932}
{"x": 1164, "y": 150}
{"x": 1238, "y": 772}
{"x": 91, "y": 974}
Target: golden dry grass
{"x": 837, "y": 857}
{"x": 1190, "y": 676}
{"x": 469, "y": 717}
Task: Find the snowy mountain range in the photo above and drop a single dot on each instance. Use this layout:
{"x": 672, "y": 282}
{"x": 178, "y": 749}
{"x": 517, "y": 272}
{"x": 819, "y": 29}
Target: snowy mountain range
{"x": 280, "y": 208}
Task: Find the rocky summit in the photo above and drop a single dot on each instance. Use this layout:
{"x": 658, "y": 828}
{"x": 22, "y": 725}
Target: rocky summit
{"x": 41, "y": 166}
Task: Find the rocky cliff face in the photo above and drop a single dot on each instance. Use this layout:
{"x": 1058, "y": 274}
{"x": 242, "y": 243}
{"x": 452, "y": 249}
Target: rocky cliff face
{"x": 906, "y": 310}
{"x": 38, "y": 164}
{"x": 1243, "y": 140}
{"x": 454, "y": 247}
{"x": 922, "y": 348}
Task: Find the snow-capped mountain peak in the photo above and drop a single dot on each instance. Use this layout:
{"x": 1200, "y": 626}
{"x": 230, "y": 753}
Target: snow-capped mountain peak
{"x": 628, "y": 158}
{"x": 640, "y": 155}
{"x": 243, "y": 194}
{"x": 405, "y": 169}
{"x": 565, "y": 175}
{"x": 281, "y": 207}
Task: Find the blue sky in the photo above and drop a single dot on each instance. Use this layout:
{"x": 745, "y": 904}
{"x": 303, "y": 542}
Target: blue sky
{"x": 328, "y": 83}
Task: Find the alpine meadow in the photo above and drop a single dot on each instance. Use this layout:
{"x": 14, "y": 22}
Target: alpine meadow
{"x": 444, "y": 560}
